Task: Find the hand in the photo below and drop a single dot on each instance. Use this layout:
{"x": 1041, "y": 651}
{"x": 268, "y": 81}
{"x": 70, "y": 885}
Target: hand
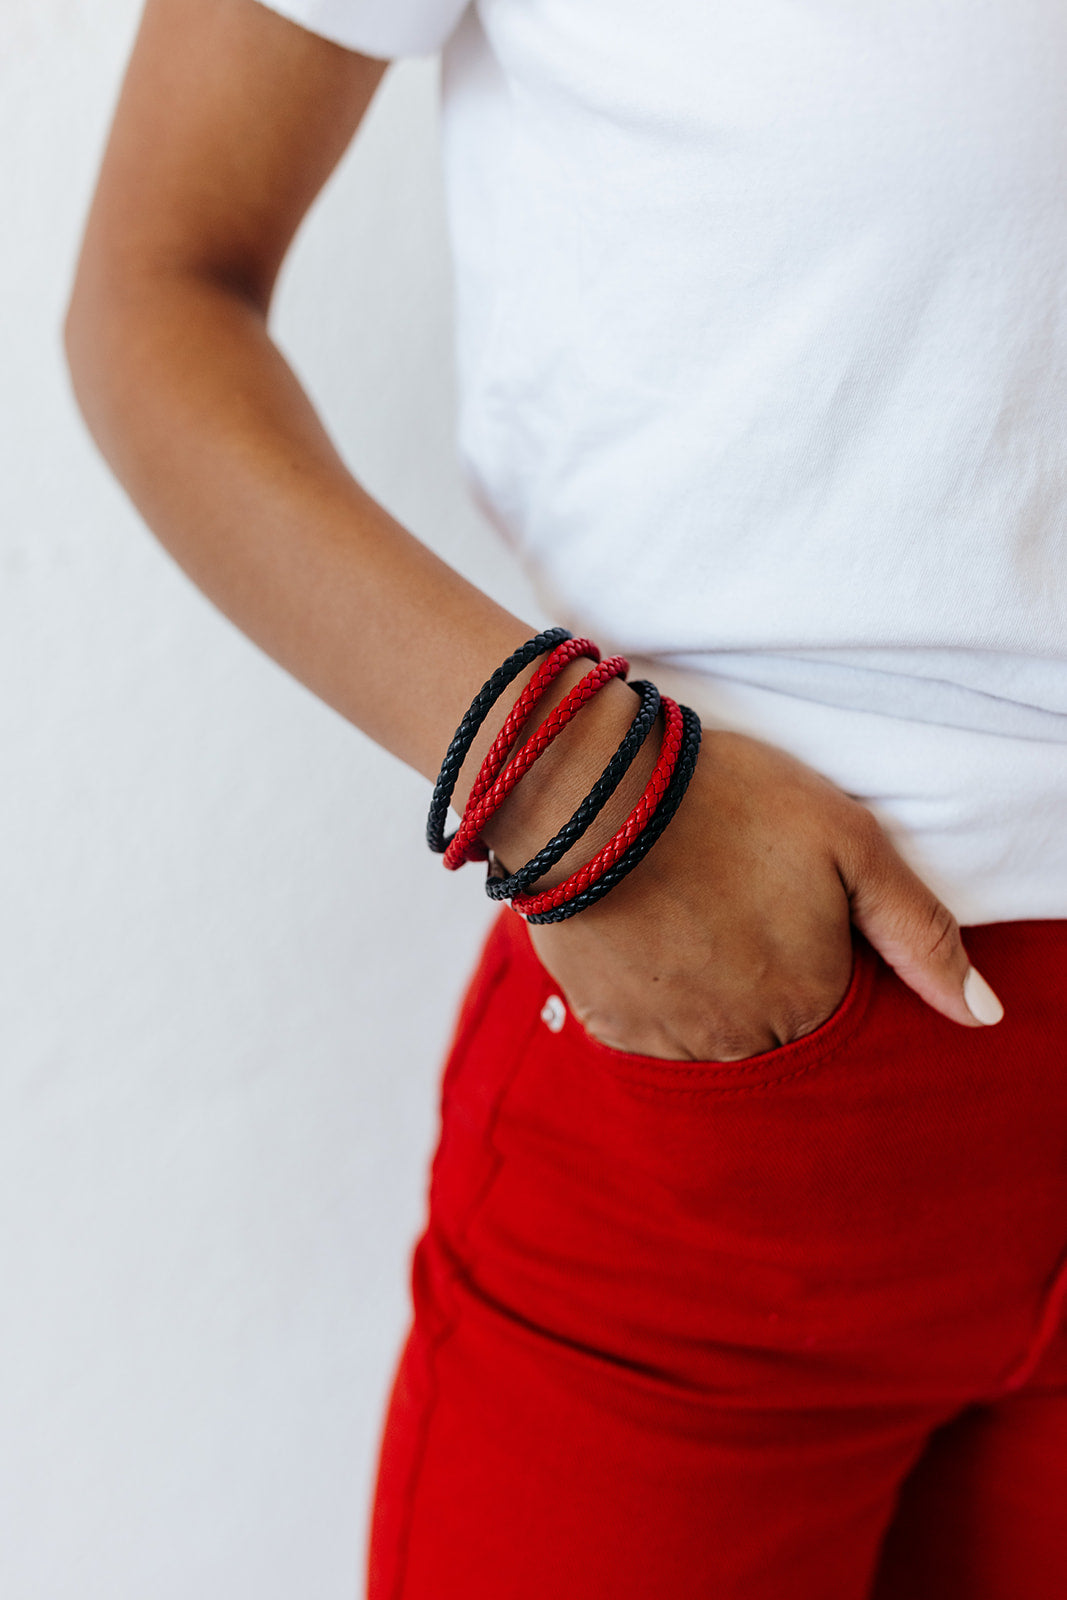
{"x": 732, "y": 936}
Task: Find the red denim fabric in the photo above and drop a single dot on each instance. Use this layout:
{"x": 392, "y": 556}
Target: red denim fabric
{"x": 788, "y": 1328}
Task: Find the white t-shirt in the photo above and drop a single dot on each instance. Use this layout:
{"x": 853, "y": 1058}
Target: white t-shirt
{"x": 762, "y": 349}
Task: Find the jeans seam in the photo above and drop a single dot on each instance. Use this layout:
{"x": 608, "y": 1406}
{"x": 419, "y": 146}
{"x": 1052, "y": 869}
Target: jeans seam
{"x": 457, "y": 1273}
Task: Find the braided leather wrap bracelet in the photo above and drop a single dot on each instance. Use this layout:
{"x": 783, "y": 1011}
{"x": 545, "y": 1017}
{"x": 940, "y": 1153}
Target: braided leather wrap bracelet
{"x": 465, "y": 844}
{"x": 473, "y": 718}
{"x": 524, "y": 706}
{"x": 672, "y": 799}
{"x": 591, "y": 871}
{"x": 519, "y": 881}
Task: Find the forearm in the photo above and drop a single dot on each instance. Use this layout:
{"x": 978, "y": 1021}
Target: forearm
{"x": 207, "y": 427}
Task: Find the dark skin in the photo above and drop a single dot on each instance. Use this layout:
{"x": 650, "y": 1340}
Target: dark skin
{"x": 733, "y": 935}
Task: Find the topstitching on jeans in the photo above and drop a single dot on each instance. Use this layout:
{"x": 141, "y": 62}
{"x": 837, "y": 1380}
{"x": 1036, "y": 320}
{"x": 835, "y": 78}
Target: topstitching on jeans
{"x": 753, "y": 1074}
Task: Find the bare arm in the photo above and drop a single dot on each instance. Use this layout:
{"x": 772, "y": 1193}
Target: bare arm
{"x": 229, "y": 122}
{"x": 732, "y": 935}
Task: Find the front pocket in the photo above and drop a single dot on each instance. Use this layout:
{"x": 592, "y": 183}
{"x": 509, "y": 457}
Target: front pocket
{"x": 761, "y": 1071}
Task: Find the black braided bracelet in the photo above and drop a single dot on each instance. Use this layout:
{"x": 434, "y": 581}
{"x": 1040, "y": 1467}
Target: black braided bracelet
{"x": 475, "y": 715}
{"x": 519, "y": 882}
{"x": 672, "y": 799}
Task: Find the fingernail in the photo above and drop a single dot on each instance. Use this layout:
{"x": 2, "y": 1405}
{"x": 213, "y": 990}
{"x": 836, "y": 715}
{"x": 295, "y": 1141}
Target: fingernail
{"x": 982, "y": 1003}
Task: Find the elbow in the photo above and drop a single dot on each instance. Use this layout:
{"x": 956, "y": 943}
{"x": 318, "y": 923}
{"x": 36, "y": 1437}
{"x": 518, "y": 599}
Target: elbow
{"x": 103, "y": 326}
{"x": 84, "y": 319}
{"x": 110, "y": 330}
{"x": 73, "y": 343}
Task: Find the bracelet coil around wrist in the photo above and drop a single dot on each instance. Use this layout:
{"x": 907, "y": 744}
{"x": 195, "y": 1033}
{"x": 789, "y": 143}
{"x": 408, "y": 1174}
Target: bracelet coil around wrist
{"x": 583, "y": 877}
{"x": 465, "y": 844}
{"x": 684, "y": 768}
{"x": 473, "y": 718}
{"x": 524, "y": 707}
{"x": 521, "y": 880}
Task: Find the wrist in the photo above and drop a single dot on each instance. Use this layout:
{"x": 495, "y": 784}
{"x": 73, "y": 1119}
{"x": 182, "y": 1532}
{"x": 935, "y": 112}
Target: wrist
{"x": 555, "y": 785}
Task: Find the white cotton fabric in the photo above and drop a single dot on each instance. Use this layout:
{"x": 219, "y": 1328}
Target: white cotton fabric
{"x": 762, "y": 344}
{"x": 382, "y": 28}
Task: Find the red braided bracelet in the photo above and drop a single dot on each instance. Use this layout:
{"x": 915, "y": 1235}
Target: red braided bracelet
{"x": 530, "y": 697}
{"x": 585, "y": 876}
{"x": 465, "y": 844}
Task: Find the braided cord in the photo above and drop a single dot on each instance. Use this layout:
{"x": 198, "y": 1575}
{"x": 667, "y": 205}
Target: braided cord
{"x": 585, "y": 876}
{"x": 664, "y": 813}
{"x": 520, "y": 881}
{"x": 520, "y": 712}
{"x": 465, "y": 844}
{"x": 473, "y": 718}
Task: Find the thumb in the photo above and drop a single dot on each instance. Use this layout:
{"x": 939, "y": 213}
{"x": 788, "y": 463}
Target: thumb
{"x": 916, "y": 934}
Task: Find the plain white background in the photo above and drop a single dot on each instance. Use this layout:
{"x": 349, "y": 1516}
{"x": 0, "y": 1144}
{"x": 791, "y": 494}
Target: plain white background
{"x": 221, "y": 1021}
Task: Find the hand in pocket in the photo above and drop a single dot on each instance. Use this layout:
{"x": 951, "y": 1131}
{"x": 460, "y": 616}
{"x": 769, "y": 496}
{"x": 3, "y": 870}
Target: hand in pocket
{"x": 732, "y": 937}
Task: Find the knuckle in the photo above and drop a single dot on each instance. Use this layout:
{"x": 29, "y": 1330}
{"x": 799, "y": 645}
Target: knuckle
{"x": 625, "y": 1035}
{"x": 864, "y": 823}
{"x": 865, "y": 843}
{"x": 726, "y": 1038}
{"x": 939, "y": 937}
{"x": 726, "y": 1044}
{"x": 593, "y": 1021}
{"x": 929, "y": 934}
{"x": 804, "y": 1014}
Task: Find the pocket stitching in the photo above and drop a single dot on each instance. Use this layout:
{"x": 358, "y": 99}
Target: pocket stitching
{"x": 644, "y": 1071}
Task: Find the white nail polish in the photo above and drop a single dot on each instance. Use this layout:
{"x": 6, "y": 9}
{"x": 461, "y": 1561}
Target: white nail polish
{"x": 982, "y": 1003}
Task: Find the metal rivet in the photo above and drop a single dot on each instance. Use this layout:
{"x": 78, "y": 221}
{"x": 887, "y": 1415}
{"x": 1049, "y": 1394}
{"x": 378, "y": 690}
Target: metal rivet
{"x": 553, "y": 1013}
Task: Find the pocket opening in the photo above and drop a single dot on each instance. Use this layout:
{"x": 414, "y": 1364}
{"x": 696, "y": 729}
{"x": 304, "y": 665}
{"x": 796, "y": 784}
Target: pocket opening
{"x": 762, "y": 1070}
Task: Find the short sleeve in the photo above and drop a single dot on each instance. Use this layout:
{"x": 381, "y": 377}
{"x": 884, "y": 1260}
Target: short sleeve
{"x": 382, "y": 28}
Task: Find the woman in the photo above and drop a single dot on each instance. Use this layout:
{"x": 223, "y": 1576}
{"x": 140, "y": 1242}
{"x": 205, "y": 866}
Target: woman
{"x": 744, "y": 1269}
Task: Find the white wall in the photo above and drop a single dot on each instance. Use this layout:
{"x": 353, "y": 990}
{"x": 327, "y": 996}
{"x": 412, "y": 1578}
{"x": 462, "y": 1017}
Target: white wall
{"x": 220, "y": 1022}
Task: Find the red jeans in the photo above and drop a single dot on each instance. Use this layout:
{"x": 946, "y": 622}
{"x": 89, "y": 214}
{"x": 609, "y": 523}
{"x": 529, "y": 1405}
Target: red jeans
{"x": 787, "y": 1328}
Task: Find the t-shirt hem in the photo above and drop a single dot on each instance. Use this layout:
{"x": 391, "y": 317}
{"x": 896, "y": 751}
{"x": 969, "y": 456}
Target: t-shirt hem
{"x": 357, "y": 29}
